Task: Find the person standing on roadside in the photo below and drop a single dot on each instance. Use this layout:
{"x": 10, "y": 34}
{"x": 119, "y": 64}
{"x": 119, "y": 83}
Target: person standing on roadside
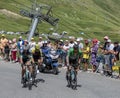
{"x": 116, "y": 51}
{"x": 79, "y": 43}
{"x": 86, "y": 55}
{"x": 7, "y": 51}
{"x": 14, "y": 50}
{"x": 65, "y": 50}
{"x": 3, "y": 42}
{"x": 32, "y": 44}
{"x": 94, "y": 51}
{"x": 20, "y": 43}
{"x": 105, "y": 54}
{"x": 109, "y": 52}
{"x": 71, "y": 41}
{"x": 40, "y": 42}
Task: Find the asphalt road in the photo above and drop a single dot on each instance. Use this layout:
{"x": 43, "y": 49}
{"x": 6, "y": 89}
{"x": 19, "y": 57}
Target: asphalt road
{"x": 54, "y": 86}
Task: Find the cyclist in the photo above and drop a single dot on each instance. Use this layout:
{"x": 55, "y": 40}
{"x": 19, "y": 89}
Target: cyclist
{"x": 26, "y": 59}
{"x": 37, "y": 56}
{"x": 73, "y": 57}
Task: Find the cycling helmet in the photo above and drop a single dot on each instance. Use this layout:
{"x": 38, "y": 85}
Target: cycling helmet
{"x": 75, "y": 46}
{"x": 37, "y": 46}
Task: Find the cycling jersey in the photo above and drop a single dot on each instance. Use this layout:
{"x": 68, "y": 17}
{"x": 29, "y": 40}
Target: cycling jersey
{"x": 36, "y": 54}
{"x": 26, "y": 55}
{"x": 73, "y": 57}
{"x": 72, "y": 53}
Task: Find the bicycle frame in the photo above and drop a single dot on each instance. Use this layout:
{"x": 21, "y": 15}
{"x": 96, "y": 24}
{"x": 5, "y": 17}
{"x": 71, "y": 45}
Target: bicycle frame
{"x": 72, "y": 78}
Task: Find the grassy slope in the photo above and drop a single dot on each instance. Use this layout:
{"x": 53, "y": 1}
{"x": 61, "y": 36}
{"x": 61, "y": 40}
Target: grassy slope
{"x": 99, "y": 16}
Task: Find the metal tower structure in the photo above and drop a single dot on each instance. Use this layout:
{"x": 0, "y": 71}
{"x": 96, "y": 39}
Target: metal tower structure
{"x": 39, "y": 13}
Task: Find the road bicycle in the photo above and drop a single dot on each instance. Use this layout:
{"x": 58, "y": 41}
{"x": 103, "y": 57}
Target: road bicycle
{"x": 72, "y": 77}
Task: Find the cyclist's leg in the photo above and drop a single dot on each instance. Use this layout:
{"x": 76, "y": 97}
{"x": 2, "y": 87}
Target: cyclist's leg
{"x": 75, "y": 73}
{"x": 29, "y": 65}
{"x": 68, "y": 75}
{"x": 40, "y": 62}
{"x": 76, "y": 69}
{"x": 67, "y": 72}
{"x": 22, "y": 62}
{"x": 22, "y": 72}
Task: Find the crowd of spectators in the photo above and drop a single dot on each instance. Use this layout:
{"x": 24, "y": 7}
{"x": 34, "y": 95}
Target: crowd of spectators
{"x": 92, "y": 51}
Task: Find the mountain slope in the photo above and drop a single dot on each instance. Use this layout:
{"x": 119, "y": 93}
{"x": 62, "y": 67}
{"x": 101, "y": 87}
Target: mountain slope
{"x": 98, "y": 16}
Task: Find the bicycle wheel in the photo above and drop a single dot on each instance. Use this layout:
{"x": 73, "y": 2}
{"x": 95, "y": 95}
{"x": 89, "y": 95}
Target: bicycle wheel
{"x": 25, "y": 79}
{"x": 68, "y": 78}
{"x": 29, "y": 81}
{"x": 74, "y": 79}
{"x": 34, "y": 72}
{"x": 24, "y": 82}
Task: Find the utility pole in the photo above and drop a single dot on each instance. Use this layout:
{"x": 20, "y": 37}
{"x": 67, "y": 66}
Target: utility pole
{"x": 37, "y": 16}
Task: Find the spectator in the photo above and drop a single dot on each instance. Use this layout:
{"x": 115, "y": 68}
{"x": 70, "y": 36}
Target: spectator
{"x": 94, "y": 51}
{"x": 79, "y": 43}
{"x": 71, "y": 43}
{"x": 116, "y": 50}
{"x": 3, "y": 41}
{"x": 65, "y": 50}
{"x": 19, "y": 44}
{"x": 49, "y": 44}
{"x": 10, "y": 53}
{"x": 14, "y": 50}
{"x": 7, "y": 50}
{"x": 40, "y": 42}
{"x": 109, "y": 57}
{"x": 32, "y": 44}
{"x": 86, "y": 55}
